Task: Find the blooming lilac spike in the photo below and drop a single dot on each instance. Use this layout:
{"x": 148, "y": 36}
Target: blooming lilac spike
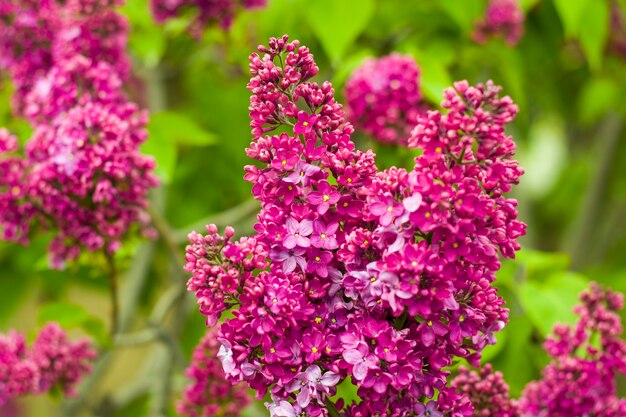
{"x": 586, "y": 360}
{"x": 383, "y": 97}
{"x": 503, "y": 18}
{"x": 52, "y": 362}
{"x": 375, "y": 278}
{"x": 81, "y": 173}
{"x": 487, "y": 392}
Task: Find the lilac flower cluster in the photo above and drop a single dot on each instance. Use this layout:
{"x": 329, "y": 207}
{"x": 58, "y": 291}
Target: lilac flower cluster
{"x": 503, "y": 18}
{"x": 81, "y": 173}
{"x": 487, "y": 391}
{"x": 581, "y": 378}
{"x": 586, "y": 359}
{"x": 383, "y": 97}
{"x": 209, "y": 394}
{"x": 375, "y": 278}
{"x": 52, "y": 362}
{"x": 207, "y": 12}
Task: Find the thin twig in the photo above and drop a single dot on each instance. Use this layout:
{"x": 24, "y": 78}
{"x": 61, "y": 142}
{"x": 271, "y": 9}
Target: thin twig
{"x": 228, "y": 217}
{"x": 113, "y": 282}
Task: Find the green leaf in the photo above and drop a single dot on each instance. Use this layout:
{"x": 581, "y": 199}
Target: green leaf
{"x": 594, "y": 32}
{"x": 338, "y": 23}
{"x": 596, "y": 98}
{"x": 551, "y": 302}
{"x": 66, "y": 314}
{"x": 164, "y": 151}
{"x": 180, "y": 129}
{"x": 464, "y": 12}
{"x": 571, "y": 13}
{"x": 72, "y": 316}
{"x": 435, "y": 78}
{"x": 528, "y": 4}
{"x": 146, "y": 39}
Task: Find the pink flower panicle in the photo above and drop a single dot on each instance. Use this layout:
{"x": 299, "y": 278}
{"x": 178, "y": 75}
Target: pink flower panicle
{"x": 381, "y": 278}
{"x": 208, "y": 13}
{"x": 586, "y": 359}
{"x": 52, "y": 362}
{"x": 81, "y": 173}
{"x": 487, "y": 391}
{"x": 503, "y": 18}
{"x": 209, "y": 394}
{"x": 383, "y": 97}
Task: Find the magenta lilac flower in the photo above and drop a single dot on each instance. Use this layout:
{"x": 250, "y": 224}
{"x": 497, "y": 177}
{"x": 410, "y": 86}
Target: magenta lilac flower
{"x": 487, "y": 392}
{"x": 586, "y": 360}
{"x": 375, "y": 278}
{"x": 81, "y": 174}
{"x": 52, "y": 362}
{"x": 504, "y": 18}
{"x": 207, "y": 13}
{"x": 383, "y": 97}
{"x": 209, "y": 394}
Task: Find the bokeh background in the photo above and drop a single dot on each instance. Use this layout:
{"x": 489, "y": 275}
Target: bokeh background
{"x": 567, "y": 74}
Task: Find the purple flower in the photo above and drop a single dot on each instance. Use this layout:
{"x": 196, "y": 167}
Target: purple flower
{"x": 306, "y": 123}
{"x": 301, "y": 174}
{"x": 297, "y": 233}
{"x": 313, "y": 385}
{"x": 385, "y": 208}
{"x": 362, "y": 361}
{"x": 323, "y": 197}
{"x": 428, "y": 410}
{"x": 289, "y": 258}
{"x": 318, "y": 262}
{"x": 324, "y": 235}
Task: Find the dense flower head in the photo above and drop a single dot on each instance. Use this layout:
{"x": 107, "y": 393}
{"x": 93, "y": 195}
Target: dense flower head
{"x": 487, "y": 392}
{"x": 383, "y": 97}
{"x": 586, "y": 359}
{"x": 80, "y": 174}
{"x": 378, "y": 278}
{"x": 207, "y": 13}
{"x": 209, "y": 393}
{"x": 504, "y": 18}
{"x": 52, "y": 362}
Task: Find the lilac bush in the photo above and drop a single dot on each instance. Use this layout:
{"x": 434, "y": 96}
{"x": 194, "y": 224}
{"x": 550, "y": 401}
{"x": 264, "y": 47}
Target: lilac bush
{"x": 378, "y": 278}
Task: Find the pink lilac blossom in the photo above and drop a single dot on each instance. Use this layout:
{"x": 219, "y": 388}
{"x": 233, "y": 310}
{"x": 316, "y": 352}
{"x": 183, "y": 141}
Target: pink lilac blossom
{"x": 586, "y": 359}
{"x": 580, "y": 380}
{"x": 81, "y": 174}
{"x": 383, "y": 97}
{"x": 52, "y": 362}
{"x": 504, "y": 18}
{"x": 487, "y": 391}
{"x": 209, "y": 394}
{"x": 378, "y": 278}
{"x": 207, "y": 13}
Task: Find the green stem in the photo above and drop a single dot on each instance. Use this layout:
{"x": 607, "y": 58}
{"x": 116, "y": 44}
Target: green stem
{"x": 164, "y": 230}
{"x": 113, "y": 282}
{"x": 398, "y": 323}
